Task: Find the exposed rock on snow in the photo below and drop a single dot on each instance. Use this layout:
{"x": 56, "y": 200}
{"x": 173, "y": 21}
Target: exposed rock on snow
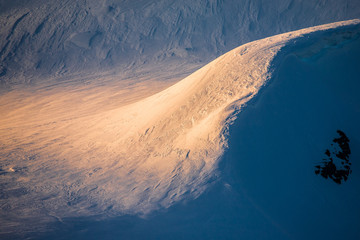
{"x": 336, "y": 165}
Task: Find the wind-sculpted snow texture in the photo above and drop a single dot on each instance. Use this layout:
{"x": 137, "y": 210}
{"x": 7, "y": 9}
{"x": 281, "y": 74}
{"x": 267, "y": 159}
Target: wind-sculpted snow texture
{"x": 41, "y": 39}
{"x": 110, "y": 155}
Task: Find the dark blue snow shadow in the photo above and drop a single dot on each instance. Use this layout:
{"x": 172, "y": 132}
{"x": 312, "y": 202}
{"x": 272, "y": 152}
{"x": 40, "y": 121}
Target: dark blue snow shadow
{"x": 268, "y": 189}
{"x": 283, "y": 133}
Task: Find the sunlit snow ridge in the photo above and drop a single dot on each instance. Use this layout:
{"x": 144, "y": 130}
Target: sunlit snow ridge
{"x": 117, "y": 154}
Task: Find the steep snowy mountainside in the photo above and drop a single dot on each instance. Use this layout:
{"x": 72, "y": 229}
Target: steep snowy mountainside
{"x": 62, "y": 158}
{"x": 42, "y": 39}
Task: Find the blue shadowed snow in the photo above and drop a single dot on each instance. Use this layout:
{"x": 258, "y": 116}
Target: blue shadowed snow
{"x": 279, "y": 138}
{"x": 268, "y": 188}
{"x": 43, "y": 39}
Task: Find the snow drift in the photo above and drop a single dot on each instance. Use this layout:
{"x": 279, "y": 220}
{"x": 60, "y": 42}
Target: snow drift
{"x": 130, "y": 156}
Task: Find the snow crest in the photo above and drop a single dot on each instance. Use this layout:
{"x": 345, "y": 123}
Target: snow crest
{"x": 59, "y": 159}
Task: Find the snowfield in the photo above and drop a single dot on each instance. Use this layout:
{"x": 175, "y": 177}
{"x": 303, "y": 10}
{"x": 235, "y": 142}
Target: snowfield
{"x": 106, "y": 150}
{"x": 42, "y": 40}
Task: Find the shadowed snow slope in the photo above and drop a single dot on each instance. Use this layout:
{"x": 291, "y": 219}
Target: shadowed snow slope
{"x": 112, "y": 153}
{"x": 56, "y": 38}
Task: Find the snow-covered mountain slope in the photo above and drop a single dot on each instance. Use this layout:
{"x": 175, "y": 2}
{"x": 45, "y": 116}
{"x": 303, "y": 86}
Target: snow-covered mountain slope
{"x": 114, "y": 153}
{"x": 42, "y": 39}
